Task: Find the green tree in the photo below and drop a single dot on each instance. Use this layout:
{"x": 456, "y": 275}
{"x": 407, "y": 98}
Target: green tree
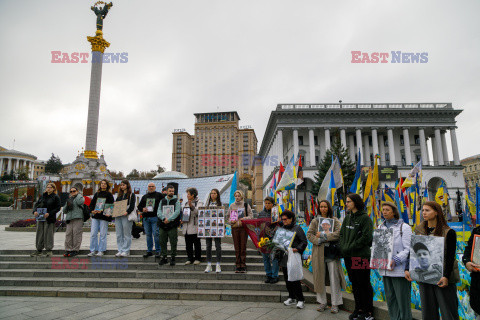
{"x": 116, "y": 175}
{"x": 53, "y": 165}
{"x": 347, "y": 165}
{"x": 133, "y": 174}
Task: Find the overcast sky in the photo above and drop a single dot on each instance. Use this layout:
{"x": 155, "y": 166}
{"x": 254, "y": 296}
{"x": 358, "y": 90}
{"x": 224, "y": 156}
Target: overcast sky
{"x": 202, "y": 56}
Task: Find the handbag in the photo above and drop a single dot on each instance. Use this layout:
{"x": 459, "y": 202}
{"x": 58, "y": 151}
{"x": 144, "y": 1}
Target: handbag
{"x": 133, "y": 216}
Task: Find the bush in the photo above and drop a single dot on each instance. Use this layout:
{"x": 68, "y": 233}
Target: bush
{"x": 23, "y": 223}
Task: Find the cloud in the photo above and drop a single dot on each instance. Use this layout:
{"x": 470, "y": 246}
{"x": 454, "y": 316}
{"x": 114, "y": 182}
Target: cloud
{"x": 186, "y": 57}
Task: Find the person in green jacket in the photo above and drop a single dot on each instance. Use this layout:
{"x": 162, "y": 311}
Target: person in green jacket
{"x": 74, "y": 218}
{"x": 356, "y": 237}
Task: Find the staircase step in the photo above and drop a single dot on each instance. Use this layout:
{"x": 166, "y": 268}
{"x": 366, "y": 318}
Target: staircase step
{"x": 193, "y": 284}
{"x": 163, "y": 294}
{"x": 120, "y": 266}
{"x": 131, "y": 258}
{"x": 180, "y": 251}
{"x": 139, "y": 274}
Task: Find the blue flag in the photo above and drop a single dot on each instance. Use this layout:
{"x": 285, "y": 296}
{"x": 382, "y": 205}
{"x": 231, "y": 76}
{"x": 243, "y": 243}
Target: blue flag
{"x": 233, "y": 188}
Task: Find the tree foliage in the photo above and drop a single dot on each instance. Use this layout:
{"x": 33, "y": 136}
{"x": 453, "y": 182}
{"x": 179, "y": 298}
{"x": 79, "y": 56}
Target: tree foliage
{"x": 53, "y": 165}
{"x": 347, "y": 165}
{"x": 116, "y": 175}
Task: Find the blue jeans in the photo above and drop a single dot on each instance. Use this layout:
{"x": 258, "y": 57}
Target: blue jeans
{"x": 152, "y": 233}
{"x": 123, "y": 229}
{"x": 95, "y": 244}
{"x": 271, "y": 267}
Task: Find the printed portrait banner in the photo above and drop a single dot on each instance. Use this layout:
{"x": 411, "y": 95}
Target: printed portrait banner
{"x": 475, "y": 258}
{"x": 150, "y": 204}
{"x": 211, "y": 222}
{"x": 325, "y": 224}
{"x": 120, "y": 208}
{"x": 41, "y": 214}
{"x": 99, "y": 205}
{"x": 283, "y": 238}
{"x": 426, "y": 259}
{"x": 168, "y": 212}
{"x": 382, "y": 249}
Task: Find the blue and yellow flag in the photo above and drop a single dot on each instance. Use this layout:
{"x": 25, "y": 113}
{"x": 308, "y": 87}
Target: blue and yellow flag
{"x": 441, "y": 197}
{"x": 331, "y": 189}
{"x": 357, "y": 181}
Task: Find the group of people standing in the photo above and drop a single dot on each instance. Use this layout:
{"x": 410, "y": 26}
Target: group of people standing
{"x": 350, "y": 240}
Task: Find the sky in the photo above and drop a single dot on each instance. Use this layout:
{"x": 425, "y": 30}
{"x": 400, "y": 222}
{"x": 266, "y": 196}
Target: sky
{"x": 186, "y": 57}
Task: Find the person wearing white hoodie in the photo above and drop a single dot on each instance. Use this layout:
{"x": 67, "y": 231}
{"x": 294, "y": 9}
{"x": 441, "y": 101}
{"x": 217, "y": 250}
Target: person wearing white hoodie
{"x": 397, "y": 288}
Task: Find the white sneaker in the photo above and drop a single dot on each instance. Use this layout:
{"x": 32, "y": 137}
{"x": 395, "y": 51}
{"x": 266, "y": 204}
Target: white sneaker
{"x": 124, "y": 254}
{"x": 99, "y": 254}
{"x": 91, "y": 254}
{"x": 188, "y": 262}
{"x": 118, "y": 254}
{"x": 196, "y": 262}
{"x": 301, "y": 304}
{"x": 209, "y": 268}
{"x": 218, "y": 269}
{"x": 289, "y": 302}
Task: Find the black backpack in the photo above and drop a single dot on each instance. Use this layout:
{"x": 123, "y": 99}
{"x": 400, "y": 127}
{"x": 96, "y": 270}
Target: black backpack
{"x": 86, "y": 212}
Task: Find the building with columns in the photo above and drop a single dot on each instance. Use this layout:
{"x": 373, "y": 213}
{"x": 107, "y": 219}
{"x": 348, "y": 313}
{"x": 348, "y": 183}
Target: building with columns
{"x": 400, "y": 133}
{"x": 471, "y": 172}
{"x": 16, "y": 161}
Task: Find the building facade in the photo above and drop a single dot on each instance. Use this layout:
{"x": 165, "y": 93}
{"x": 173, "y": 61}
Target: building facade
{"x": 219, "y": 146}
{"x": 13, "y": 161}
{"x": 400, "y": 133}
{"x": 471, "y": 172}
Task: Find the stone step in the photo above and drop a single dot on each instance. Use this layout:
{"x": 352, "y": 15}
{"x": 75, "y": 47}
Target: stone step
{"x": 130, "y": 258}
{"x": 139, "y": 274}
{"x": 180, "y": 251}
{"x": 180, "y": 284}
{"x": 147, "y": 265}
{"x": 163, "y": 294}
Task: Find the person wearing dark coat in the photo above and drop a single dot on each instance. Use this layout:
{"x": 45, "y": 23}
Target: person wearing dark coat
{"x": 474, "y": 273}
{"x": 100, "y": 219}
{"x": 299, "y": 244}
{"x": 49, "y": 202}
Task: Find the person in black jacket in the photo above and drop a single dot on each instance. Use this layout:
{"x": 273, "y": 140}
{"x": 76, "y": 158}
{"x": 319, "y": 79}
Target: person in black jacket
{"x": 148, "y": 206}
{"x": 295, "y": 294}
{"x": 49, "y": 202}
{"x": 123, "y": 226}
{"x": 474, "y": 273}
{"x": 100, "y": 219}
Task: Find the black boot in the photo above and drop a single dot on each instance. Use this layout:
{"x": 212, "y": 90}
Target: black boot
{"x": 268, "y": 279}
{"x": 172, "y": 261}
{"x": 163, "y": 261}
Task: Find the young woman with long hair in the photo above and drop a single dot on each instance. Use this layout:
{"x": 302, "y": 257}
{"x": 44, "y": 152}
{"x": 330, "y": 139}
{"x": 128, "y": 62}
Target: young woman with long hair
{"x": 123, "y": 226}
{"x": 214, "y": 201}
{"x": 98, "y": 245}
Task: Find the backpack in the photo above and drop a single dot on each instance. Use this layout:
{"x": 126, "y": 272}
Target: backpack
{"x": 86, "y": 212}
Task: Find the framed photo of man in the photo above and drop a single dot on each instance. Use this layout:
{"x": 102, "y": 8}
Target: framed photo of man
{"x": 426, "y": 258}
{"x": 326, "y": 225}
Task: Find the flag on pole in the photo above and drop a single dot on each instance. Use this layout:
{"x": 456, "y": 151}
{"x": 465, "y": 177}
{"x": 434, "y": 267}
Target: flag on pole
{"x": 469, "y": 206}
{"x": 388, "y": 194}
{"x": 331, "y": 190}
{"x": 337, "y": 176}
{"x": 280, "y": 172}
{"x": 233, "y": 188}
{"x": 441, "y": 197}
{"x": 425, "y": 194}
{"x": 289, "y": 177}
{"x": 368, "y": 186}
{"x": 357, "y": 181}
{"x": 299, "y": 171}
{"x": 412, "y": 176}
{"x": 305, "y": 210}
{"x": 375, "y": 181}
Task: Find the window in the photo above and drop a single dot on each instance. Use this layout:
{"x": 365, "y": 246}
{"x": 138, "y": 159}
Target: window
{"x": 401, "y": 140}
{"x": 417, "y": 139}
{"x": 300, "y": 140}
{"x": 315, "y": 140}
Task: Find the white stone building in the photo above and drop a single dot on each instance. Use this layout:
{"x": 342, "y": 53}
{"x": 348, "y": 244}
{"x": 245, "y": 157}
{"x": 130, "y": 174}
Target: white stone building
{"x": 15, "y": 161}
{"x": 401, "y": 133}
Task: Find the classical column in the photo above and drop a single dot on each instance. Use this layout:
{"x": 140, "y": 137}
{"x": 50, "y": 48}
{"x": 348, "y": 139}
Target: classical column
{"x": 438, "y": 147}
{"x": 32, "y": 169}
{"x": 366, "y": 144}
{"x": 453, "y": 138}
{"x": 406, "y": 144}
{"x": 9, "y": 165}
{"x": 1, "y": 167}
{"x": 381, "y": 144}
{"x": 98, "y": 48}
{"x": 391, "y": 147}
{"x": 280, "y": 145}
{"x": 374, "y": 142}
{"x": 295, "y": 144}
{"x": 434, "y": 151}
{"x": 351, "y": 148}
{"x": 358, "y": 132}
{"x": 423, "y": 146}
{"x": 311, "y": 142}
{"x": 343, "y": 138}
{"x": 444, "y": 146}
{"x": 327, "y": 139}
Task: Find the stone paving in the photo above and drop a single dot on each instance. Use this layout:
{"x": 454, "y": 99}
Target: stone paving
{"x": 81, "y": 308}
